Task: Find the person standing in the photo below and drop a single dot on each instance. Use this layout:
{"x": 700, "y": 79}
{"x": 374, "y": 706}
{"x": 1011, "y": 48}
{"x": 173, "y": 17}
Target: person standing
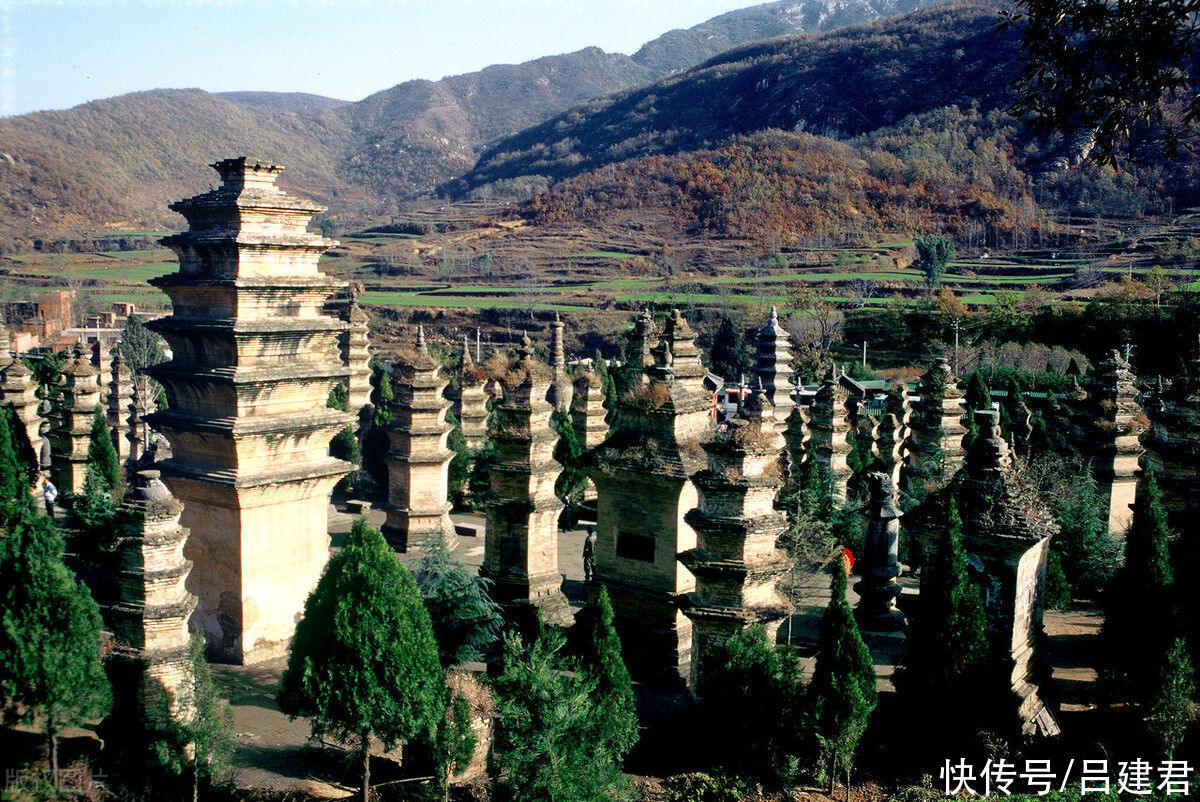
{"x": 589, "y": 556}
{"x": 50, "y": 494}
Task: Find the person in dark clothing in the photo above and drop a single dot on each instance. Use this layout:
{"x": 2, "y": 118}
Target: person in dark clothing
{"x": 589, "y": 556}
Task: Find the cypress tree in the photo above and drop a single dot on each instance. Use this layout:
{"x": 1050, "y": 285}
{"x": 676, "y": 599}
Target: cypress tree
{"x": 200, "y": 748}
{"x": 12, "y": 484}
{"x": 571, "y": 480}
{"x": 375, "y": 443}
{"x": 617, "y": 717}
{"x": 465, "y": 620}
{"x": 753, "y": 702}
{"x": 339, "y": 398}
{"x": 548, "y": 742}
{"x": 843, "y": 685}
{"x": 50, "y": 671}
{"x": 102, "y": 456}
{"x": 947, "y": 659}
{"x": 978, "y": 395}
{"x": 364, "y": 661}
{"x": 1171, "y": 708}
{"x": 1141, "y": 617}
{"x": 460, "y": 464}
{"x": 729, "y": 357}
{"x": 1088, "y": 552}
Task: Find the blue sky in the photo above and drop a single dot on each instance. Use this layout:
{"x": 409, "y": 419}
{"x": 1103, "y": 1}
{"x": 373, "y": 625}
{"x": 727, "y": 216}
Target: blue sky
{"x": 55, "y": 55}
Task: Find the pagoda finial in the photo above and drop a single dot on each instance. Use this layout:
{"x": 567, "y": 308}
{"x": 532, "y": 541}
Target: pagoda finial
{"x": 422, "y": 347}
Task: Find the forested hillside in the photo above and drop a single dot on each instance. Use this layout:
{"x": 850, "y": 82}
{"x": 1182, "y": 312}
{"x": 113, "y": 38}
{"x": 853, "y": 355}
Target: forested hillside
{"x": 115, "y": 163}
{"x": 841, "y": 84}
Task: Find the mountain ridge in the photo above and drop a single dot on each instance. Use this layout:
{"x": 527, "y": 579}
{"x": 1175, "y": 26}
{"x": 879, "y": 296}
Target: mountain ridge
{"x": 118, "y": 161}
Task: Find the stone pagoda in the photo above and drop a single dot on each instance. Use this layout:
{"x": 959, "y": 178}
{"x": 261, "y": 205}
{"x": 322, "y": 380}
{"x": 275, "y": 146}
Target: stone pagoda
{"x": 1006, "y": 535}
{"x": 78, "y": 403}
{"x": 830, "y": 434}
{"x": 120, "y": 394}
{"x": 1117, "y": 422}
{"x": 150, "y": 619}
{"x": 418, "y": 461}
{"x": 587, "y": 410}
{"x": 471, "y": 401}
{"x": 879, "y": 560}
{"x": 773, "y": 366}
{"x": 937, "y": 425}
{"x": 356, "y": 356}
{"x": 560, "y": 385}
{"x": 18, "y": 388}
{"x": 735, "y": 561}
{"x": 521, "y": 547}
{"x": 642, "y": 474}
{"x": 253, "y": 360}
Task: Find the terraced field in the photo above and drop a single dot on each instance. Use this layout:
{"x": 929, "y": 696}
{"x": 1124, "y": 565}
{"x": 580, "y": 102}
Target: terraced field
{"x": 509, "y": 266}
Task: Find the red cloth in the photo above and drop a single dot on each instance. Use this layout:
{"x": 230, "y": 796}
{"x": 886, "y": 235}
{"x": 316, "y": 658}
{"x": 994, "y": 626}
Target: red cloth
{"x": 847, "y": 559}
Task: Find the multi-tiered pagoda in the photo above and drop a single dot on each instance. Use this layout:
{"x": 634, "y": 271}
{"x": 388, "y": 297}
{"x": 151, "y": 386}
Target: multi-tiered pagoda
{"x": 254, "y": 359}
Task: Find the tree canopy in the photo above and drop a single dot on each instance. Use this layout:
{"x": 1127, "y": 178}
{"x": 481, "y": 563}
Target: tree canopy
{"x": 50, "y": 670}
{"x": 364, "y": 661}
{"x": 1110, "y": 72}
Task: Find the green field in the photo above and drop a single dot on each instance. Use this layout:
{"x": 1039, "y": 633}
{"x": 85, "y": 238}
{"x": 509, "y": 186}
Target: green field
{"x": 127, "y": 273}
{"x": 388, "y": 298}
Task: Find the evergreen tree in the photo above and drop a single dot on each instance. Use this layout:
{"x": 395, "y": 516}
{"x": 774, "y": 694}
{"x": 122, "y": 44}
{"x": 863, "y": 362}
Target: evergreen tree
{"x": 375, "y": 443}
{"x": 455, "y": 740}
{"x": 140, "y": 348}
{"x": 753, "y": 701}
{"x": 102, "y": 455}
{"x": 1058, "y": 588}
{"x": 1088, "y": 552}
{"x": 198, "y": 749}
{"x": 934, "y": 252}
{"x": 1171, "y": 708}
{"x": 729, "y": 358}
{"x": 1141, "y": 619}
{"x": 27, "y": 459}
{"x": 978, "y": 395}
{"x": 843, "y": 685}
{"x": 339, "y": 398}
{"x": 364, "y": 661}
{"x": 50, "y": 671}
{"x": 344, "y": 444}
{"x": 571, "y": 481}
{"x": 466, "y": 622}
{"x": 947, "y": 660}
{"x": 617, "y": 717}
{"x": 548, "y": 744}
{"x": 460, "y": 463}
{"x": 13, "y": 487}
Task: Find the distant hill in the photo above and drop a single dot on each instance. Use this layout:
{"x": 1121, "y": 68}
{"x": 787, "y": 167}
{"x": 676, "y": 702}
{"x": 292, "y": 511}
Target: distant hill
{"x": 117, "y": 162}
{"x": 841, "y": 84}
{"x": 284, "y": 101}
{"x": 679, "y": 50}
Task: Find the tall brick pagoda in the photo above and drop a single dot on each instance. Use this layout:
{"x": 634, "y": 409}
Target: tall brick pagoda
{"x": 735, "y": 561}
{"x": 521, "y": 548}
{"x": 418, "y": 460}
{"x": 254, "y": 359}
